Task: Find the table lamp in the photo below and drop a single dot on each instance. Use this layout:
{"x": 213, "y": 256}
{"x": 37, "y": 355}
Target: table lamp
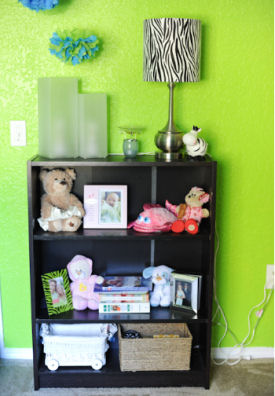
{"x": 171, "y": 53}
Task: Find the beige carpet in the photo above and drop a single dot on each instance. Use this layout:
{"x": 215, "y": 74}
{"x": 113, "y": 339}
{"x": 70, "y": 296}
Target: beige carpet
{"x": 252, "y": 378}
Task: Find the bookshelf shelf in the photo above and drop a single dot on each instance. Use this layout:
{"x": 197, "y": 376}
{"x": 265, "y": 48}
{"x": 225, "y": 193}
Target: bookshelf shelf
{"x": 86, "y": 377}
{"x": 87, "y": 316}
{"x": 93, "y": 234}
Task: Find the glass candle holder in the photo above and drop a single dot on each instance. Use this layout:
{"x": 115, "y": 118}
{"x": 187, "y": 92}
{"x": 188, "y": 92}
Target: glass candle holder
{"x": 130, "y": 142}
{"x": 130, "y": 148}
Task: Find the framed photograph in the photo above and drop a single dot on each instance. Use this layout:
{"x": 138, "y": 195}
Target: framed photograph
{"x": 57, "y": 292}
{"x": 185, "y": 291}
{"x": 105, "y": 206}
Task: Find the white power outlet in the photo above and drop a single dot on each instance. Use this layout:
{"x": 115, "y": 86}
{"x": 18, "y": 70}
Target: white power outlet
{"x": 18, "y": 133}
{"x": 269, "y": 284}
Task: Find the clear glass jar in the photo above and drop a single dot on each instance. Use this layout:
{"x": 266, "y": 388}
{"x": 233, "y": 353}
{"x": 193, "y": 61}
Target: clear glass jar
{"x": 130, "y": 148}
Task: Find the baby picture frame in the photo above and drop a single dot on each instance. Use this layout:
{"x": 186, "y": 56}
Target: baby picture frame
{"x": 105, "y": 206}
{"x": 57, "y": 292}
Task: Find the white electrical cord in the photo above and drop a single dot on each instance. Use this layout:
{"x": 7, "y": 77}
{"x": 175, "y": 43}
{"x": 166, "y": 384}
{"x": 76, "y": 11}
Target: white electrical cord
{"x": 238, "y": 346}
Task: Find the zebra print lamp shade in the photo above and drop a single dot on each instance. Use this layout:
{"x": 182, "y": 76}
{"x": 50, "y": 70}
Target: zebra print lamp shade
{"x": 171, "y": 50}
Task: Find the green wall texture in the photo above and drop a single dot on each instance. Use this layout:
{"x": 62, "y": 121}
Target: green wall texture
{"x": 233, "y": 104}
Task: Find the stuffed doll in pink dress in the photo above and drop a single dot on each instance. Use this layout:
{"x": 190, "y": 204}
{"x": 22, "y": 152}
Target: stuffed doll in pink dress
{"x": 82, "y": 286}
{"x": 190, "y": 214}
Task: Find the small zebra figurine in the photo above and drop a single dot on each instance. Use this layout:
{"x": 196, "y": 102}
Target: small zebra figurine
{"x": 194, "y": 146}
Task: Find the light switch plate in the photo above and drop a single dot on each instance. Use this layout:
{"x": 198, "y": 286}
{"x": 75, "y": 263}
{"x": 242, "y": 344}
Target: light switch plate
{"x": 18, "y": 133}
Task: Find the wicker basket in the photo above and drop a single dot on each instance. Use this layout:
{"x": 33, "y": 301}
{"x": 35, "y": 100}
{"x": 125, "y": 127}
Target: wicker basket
{"x": 154, "y": 354}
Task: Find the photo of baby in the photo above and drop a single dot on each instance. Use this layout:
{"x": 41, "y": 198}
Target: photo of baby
{"x": 110, "y": 207}
{"x": 57, "y": 291}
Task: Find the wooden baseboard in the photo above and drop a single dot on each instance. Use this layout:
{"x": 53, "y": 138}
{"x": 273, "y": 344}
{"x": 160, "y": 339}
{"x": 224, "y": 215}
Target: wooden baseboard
{"x": 247, "y": 353}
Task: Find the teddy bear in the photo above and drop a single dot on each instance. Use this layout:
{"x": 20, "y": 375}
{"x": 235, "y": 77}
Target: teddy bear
{"x": 161, "y": 294}
{"x": 191, "y": 212}
{"x": 60, "y": 209}
{"x": 83, "y": 283}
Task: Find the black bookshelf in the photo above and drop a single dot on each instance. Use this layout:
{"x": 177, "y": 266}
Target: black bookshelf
{"x": 126, "y": 252}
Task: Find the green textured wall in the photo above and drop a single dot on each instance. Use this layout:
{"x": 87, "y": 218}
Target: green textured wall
{"x": 233, "y": 104}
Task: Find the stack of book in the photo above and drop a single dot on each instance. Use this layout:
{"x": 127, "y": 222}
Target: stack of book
{"x": 124, "y": 294}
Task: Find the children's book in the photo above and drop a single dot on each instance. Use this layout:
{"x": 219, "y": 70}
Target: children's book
{"x": 124, "y": 284}
{"x": 124, "y": 297}
{"x": 124, "y": 308}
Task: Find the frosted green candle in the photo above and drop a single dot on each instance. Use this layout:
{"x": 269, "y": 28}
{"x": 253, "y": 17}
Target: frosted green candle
{"x": 92, "y": 109}
{"x": 57, "y": 114}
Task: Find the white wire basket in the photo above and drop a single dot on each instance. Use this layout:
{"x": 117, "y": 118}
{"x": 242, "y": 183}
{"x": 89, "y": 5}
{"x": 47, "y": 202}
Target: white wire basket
{"x": 76, "y": 345}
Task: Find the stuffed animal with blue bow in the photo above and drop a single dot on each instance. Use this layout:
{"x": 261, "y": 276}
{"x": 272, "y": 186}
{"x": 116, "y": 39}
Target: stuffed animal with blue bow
{"x": 160, "y": 296}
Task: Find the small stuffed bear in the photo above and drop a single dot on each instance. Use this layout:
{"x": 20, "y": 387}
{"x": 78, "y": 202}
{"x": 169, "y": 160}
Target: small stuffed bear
{"x": 161, "y": 279}
{"x": 190, "y": 214}
{"x": 82, "y": 286}
{"x": 60, "y": 210}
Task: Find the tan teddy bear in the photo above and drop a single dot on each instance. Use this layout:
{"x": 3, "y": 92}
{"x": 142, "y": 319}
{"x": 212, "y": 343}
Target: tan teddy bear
{"x": 60, "y": 210}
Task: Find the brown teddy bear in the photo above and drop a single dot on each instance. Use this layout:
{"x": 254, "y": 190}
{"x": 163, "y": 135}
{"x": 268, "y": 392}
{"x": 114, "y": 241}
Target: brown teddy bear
{"x": 60, "y": 210}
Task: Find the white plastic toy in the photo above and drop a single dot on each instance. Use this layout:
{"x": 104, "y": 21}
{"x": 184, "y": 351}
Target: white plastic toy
{"x": 161, "y": 279}
{"x": 194, "y": 146}
{"x": 76, "y": 344}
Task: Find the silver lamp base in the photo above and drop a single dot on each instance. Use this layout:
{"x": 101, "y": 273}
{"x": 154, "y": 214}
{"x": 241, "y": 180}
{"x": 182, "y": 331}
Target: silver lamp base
{"x": 169, "y": 139}
{"x": 170, "y": 143}
{"x": 161, "y": 155}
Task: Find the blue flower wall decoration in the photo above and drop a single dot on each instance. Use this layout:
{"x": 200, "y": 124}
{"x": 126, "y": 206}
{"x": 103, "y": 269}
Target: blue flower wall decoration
{"x": 73, "y": 49}
{"x": 38, "y": 5}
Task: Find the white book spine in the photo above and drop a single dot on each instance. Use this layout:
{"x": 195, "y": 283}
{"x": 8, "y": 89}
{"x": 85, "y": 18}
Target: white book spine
{"x": 124, "y": 308}
{"x": 109, "y": 298}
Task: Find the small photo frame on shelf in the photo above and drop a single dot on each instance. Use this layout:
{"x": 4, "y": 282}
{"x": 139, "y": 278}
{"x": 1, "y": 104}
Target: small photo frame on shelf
{"x": 105, "y": 206}
{"x": 57, "y": 291}
{"x": 186, "y": 291}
